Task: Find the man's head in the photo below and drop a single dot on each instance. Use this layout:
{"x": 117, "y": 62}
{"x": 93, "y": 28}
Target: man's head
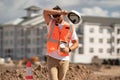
{"x": 58, "y": 18}
{"x": 57, "y": 8}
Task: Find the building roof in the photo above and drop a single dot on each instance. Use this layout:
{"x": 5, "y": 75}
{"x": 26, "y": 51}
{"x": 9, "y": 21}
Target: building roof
{"x": 102, "y": 20}
{"x": 14, "y": 22}
{"x": 33, "y": 20}
{"x": 32, "y": 8}
{"x": 27, "y": 21}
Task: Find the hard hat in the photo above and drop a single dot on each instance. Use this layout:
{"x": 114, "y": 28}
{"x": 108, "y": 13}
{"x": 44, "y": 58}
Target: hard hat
{"x": 74, "y": 17}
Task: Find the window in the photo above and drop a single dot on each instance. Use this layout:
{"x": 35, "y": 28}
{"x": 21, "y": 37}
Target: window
{"x": 28, "y": 50}
{"x": 10, "y": 50}
{"x": 34, "y": 31}
{"x": 100, "y": 40}
{"x": 101, "y": 50}
{"x": 6, "y": 33}
{"x": 0, "y": 35}
{"x": 118, "y": 31}
{"x": 22, "y": 42}
{"x": 37, "y": 31}
{"x": 112, "y": 39}
{"x": 91, "y": 30}
{"x": 109, "y": 30}
{"x": 22, "y": 32}
{"x": 33, "y": 50}
{"x": 91, "y": 50}
{"x": 22, "y": 50}
{"x": 28, "y": 32}
{"x": 28, "y": 41}
{"x": 18, "y": 33}
{"x": 118, "y": 41}
{"x": 80, "y": 50}
{"x": 109, "y": 41}
{"x": 11, "y": 33}
{"x": 11, "y": 42}
{"x": 91, "y": 40}
{"x": 101, "y": 30}
{"x": 35, "y": 11}
{"x": 118, "y": 51}
{"x": 38, "y": 41}
{"x": 112, "y": 49}
{"x": 0, "y": 50}
{"x": 6, "y": 42}
{"x": 38, "y": 50}
{"x": 109, "y": 50}
{"x": 80, "y": 40}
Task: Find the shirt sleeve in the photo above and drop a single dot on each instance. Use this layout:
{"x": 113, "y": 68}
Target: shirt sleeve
{"x": 48, "y": 26}
{"x": 74, "y": 36}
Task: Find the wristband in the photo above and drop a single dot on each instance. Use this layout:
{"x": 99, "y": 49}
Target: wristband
{"x": 70, "y": 50}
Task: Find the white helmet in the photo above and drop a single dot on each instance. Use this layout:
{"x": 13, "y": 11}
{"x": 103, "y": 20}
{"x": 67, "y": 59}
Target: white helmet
{"x": 74, "y": 17}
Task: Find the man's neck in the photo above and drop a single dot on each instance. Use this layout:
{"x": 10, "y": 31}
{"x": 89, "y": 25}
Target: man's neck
{"x": 61, "y": 22}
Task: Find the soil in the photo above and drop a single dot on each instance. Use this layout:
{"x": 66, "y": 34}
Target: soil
{"x": 75, "y": 72}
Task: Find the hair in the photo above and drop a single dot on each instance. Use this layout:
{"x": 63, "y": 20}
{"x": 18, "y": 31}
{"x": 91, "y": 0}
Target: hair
{"x": 57, "y": 8}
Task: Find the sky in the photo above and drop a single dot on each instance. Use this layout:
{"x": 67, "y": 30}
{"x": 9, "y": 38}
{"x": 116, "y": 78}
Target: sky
{"x": 13, "y": 9}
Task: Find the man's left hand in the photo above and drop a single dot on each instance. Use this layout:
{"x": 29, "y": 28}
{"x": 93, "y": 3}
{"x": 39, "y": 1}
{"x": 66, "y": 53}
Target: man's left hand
{"x": 66, "y": 50}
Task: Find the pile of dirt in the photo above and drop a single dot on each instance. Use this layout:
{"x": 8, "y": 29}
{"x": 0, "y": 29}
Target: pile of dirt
{"x": 75, "y": 72}
{"x": 79, "y": 72}
{"x": 40, "y": 72}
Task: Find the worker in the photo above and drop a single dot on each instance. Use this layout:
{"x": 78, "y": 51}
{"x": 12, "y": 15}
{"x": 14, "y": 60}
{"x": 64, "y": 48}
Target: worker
{"x": 60, "y": 35}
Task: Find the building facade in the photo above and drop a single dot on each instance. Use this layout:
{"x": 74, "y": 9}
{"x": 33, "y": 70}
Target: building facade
{"x": 25, "y": 37}
{"x": 98, "y": 36}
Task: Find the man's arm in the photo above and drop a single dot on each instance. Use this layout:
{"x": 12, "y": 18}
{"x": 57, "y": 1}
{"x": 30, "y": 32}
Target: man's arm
{"x": 75, "y": 45}
{"x": 48, "y": 12}
{"x": 71, "y": 48}
{"x": 75, "y": 42}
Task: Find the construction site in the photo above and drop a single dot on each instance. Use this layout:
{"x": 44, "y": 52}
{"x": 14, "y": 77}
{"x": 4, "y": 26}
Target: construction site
{"x": 14, "y": 71}
{"x": 23, "y": 41}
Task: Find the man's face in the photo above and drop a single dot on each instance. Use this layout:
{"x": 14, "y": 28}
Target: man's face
{"x": 58, "y": 18}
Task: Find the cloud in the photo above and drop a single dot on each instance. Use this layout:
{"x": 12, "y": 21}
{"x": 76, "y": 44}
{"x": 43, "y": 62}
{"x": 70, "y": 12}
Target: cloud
{"x": 3, "y": 11}
{"x": 15, "y": 8}
{"x": 12, "y": 9}
{"x": 111, "y": 3}
{"x": 97, "y": 11}
{"x": 94, "y": 11}
{"x": 2, "y": 7}
{"x": 102, "y": 3}
{"x": 115, "y": 14}
{"x": 66, "y": 3}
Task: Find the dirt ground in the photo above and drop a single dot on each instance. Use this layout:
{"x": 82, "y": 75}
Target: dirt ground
{"x": 75, "y": 72}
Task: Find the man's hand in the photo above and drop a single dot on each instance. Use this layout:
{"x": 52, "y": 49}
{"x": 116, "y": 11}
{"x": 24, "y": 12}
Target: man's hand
{"x": 65, "y": 50}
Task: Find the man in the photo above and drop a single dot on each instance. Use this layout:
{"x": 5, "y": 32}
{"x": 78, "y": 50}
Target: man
{"x": 60, "y": 34}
